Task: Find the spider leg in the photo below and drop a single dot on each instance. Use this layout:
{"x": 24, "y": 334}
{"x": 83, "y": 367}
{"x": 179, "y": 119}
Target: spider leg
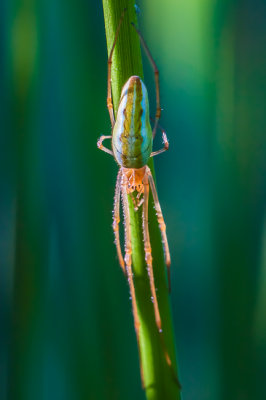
{"x": 156, "y": 75}
{"x": 161, "y": 225}
{"x": 128, "y": 262}
{"x": 148, "y": 259}
{"x": 166, "y": 146}
{"x": 148, "y": 256}
{"x": 109, "y": 81}
{"x": 116, "y": 220}
{"x": 103, "y": 148}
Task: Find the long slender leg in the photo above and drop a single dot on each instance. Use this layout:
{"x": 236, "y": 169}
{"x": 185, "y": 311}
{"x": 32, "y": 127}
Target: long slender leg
{"x": 128, "y": 262}
{"x": 109, "y": 89}
{"x": 148, "y": 259}
{"x": 116, "y": 220}
{"x": 157, "y": 84}
{"x": 166, "y": 146}
{"x": 161, "y": 225}
{"x": 148, "y": 256}
{"x": 103, "y": 148}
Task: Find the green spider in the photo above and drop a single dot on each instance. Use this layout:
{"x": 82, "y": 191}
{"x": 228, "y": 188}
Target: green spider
{"x": 132, "y": 140}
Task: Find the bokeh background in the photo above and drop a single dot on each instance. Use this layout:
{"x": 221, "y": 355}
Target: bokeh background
{"x": 66, "y": 329}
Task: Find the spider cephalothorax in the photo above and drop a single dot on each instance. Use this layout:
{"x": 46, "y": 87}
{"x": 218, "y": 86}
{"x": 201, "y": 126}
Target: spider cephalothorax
{"x": 134, "y": 180}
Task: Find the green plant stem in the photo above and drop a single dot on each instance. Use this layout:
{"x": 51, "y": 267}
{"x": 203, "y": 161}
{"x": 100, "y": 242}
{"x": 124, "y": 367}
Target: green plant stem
{"x": 158, "y": 380}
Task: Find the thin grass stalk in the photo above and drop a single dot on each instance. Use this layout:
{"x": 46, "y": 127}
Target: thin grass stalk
{"x": 158, "y": 380}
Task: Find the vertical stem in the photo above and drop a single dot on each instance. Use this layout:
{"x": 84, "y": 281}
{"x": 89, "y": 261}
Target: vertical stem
{"x": 158, "y": 380}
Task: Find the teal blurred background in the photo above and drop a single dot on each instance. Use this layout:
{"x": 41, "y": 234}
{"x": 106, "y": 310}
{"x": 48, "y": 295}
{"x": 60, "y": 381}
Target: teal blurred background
{"x": 66, "y": 329}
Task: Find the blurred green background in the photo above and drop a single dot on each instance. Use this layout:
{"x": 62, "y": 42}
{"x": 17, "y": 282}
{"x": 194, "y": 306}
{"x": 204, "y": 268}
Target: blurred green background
{"x": 66, "y": 328}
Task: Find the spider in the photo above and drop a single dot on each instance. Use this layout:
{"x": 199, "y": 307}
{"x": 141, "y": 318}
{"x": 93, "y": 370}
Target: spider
{"x": 132, "y": 140}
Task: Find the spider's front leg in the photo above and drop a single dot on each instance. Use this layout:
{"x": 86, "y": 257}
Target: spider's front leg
{"x": 147, "y": 250}
{"x": 128, "y": 262}
{"x": 116, "y": 220}
{"x": 161, "y": 225}
{"x": 148, "y": 259}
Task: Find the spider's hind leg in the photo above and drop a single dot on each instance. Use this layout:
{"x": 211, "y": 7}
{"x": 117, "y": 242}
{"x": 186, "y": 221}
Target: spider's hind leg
{"x": 156, "y": 75}
{"x": 109, "y": 80}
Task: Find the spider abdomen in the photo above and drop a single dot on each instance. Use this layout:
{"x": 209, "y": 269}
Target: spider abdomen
{"x": 132, "y": 134}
